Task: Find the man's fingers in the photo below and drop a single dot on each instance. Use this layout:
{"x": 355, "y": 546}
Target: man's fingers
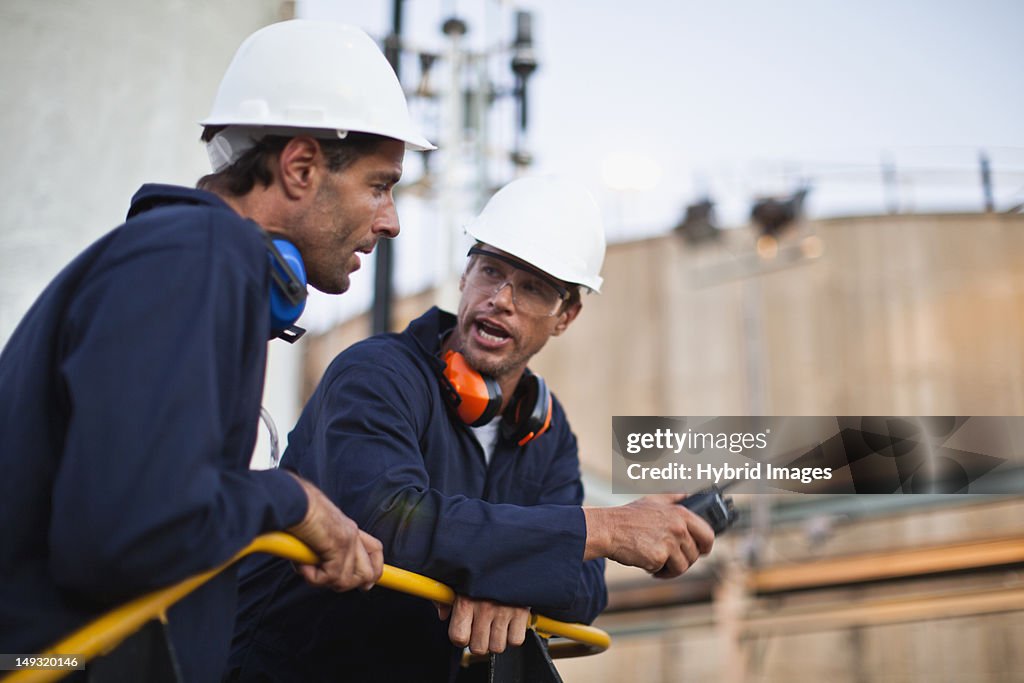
{"x": 703, "y": 534}
{"x": 675, "y": 565}
{"x": 370, "y": 543}
{"x": 443, "y": 610}
{"x": 375, "y": 549}
{"x": 508, "y": 629}
{"x": 688, "y": 547}
{"x": 517, "y": 627}
{"x": 460, "y": 627}
{"x": 349, "y": 557}
{"x": 480, "y": 638}
{"x": 313, "y": 574}
{"x": 496, "y": 623}
{"x": 362, "y": 573}
{"x": 483, "y": 616}
{"x": 498, "y": 636}
{"x": 485, "y": 626}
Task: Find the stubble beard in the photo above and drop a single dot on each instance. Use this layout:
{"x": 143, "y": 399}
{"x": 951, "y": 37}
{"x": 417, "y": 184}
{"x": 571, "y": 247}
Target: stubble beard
{"x": 496, "y": 368}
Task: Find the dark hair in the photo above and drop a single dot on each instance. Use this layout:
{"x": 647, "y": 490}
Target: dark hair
{"x": 573, "y": 298}
{"x": 255, "y": 165}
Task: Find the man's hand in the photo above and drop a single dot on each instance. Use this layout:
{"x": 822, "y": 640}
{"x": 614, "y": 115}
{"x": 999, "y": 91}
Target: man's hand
{"x": 654, "y": 533}
{"x": 349, "y": 558}
{"x": 483, "y": 625}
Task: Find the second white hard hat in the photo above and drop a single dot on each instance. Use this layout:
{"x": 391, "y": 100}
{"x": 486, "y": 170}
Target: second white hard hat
{"x": 551, "y": 223}
{"x": 318, "y": 75}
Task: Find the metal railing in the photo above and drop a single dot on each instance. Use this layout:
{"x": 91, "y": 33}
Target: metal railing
{"x": 106, "y": 632}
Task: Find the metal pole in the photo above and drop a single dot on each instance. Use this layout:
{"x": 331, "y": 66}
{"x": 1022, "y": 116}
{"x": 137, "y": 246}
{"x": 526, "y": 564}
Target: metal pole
{"x": 986, "y": 182}
{"x": 757, "y": 404}
{"x": 890, "y": 184}
{"x": 450, "y": 191}
{"x": 382, "y": 283}
{"x": 524, "y": 63}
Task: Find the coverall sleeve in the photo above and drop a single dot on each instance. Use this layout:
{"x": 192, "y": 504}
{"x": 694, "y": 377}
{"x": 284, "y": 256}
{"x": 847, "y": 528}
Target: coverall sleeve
{"x": 563, "y": 486}
{"x": 155, "y": 353}
{"x": 367, "y": 458}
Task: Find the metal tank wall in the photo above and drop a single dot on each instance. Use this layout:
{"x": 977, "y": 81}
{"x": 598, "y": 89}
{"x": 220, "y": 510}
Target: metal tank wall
{"x": 97, "y": 98}
{"x": 899, "y": 315}
{"x": 893, "y": 315}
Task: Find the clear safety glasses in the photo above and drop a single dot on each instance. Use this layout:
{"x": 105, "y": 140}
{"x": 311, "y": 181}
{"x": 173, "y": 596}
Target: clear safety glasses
{"x": 533, "y": 292}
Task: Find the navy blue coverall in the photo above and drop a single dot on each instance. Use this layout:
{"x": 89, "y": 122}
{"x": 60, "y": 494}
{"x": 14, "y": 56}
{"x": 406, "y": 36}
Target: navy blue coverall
{"x": 129, "y": 405}
{"x": 379, "y": 440}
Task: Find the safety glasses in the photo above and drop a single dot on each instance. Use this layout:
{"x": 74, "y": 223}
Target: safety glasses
{"x": 533, "y": 292}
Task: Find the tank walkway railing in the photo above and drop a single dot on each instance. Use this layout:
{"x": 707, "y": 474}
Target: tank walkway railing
{"x": 102, "y": 635}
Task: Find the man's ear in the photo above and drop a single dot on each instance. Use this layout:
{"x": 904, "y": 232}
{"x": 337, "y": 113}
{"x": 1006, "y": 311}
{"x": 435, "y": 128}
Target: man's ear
{"x": 566, "y": 317}
{"x": 298, "y": 166}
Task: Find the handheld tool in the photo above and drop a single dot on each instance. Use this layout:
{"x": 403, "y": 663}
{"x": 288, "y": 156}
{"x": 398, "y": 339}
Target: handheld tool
{"x": 716, "y": 509}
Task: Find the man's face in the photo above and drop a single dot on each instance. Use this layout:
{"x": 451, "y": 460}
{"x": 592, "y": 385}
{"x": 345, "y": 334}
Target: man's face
{"x": 496, "y": 337}
{"x": 351, "y": 211}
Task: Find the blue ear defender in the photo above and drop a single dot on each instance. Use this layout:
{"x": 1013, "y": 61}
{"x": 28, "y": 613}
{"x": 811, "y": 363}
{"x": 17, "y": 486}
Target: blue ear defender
{"x": 287, "y": 289}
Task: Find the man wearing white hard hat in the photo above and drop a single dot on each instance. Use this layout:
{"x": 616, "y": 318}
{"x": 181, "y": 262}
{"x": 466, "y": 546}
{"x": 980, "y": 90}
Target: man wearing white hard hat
{"x": 130, "y": 392}
{"x": 440, "y": 442}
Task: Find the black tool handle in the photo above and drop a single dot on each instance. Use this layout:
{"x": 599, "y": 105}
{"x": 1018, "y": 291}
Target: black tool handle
{"x": 716, "y": 509}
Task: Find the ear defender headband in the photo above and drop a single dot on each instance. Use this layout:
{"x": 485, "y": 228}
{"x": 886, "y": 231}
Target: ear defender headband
{"x": 476, "y": 399}
{"x": 287, "y": 289}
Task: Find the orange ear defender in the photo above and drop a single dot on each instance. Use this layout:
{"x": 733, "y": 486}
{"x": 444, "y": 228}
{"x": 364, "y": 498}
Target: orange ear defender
{"x": 529, "y": 414}
{"x": 477, "y": 400}
{"x": 479, "y": 397}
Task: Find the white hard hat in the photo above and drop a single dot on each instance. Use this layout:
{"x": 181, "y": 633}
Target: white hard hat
{"x": 549, "y": 222}
{"x": 318, "y": 77}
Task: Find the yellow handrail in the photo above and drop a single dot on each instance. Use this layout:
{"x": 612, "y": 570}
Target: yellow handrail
{"x": 106, "y": 632}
